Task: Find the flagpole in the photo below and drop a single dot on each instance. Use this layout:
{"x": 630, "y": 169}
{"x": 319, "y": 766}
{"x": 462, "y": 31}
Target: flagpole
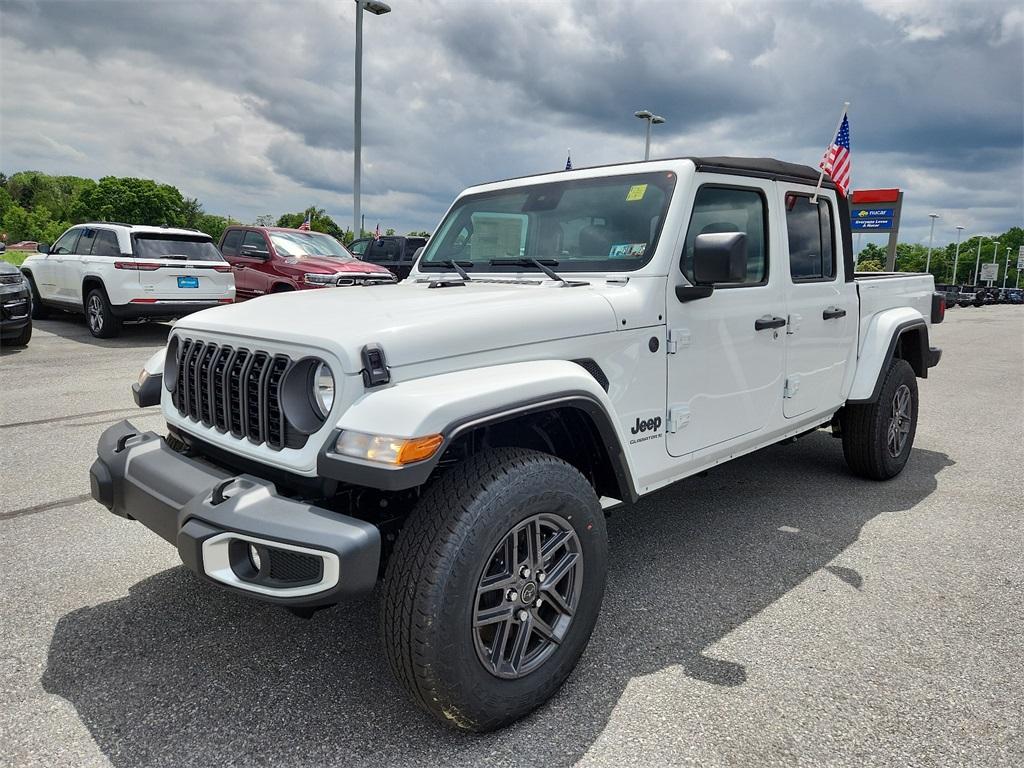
{"x": 821, "y": 176}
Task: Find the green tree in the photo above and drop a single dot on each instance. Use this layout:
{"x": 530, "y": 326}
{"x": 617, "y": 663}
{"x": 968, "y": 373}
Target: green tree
{"x": 871, "y": 252}
{"x": 191, "y": 212}
{"x": 135, "y": 201}
{"x": 320, "y": 222}
{"x": 214, "y": 226}
{"x": 421, "y": 233}
{"x": 869, "y": 265}
{"x": 266, "y": 220}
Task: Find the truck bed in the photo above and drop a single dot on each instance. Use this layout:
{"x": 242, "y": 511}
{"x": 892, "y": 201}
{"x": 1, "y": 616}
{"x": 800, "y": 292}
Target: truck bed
{"x": 879, "y": 291}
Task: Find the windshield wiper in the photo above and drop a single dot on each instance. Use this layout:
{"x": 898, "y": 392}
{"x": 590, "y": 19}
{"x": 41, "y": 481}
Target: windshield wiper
{"x": 457, "y": 266}
{"x": 540, "y": 264}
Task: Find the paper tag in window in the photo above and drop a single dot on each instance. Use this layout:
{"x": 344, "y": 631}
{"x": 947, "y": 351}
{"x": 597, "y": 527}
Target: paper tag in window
{"x": 636, "y": 192}
{"x": 627, "y": 250}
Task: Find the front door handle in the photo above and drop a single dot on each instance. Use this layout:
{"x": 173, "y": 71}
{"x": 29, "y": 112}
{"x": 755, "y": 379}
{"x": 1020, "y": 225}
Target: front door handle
{"x": 768, "y": 321}
{"x": 832, "y": 313}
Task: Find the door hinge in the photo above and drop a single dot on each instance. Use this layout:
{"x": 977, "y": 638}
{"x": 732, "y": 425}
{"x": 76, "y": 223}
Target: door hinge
{"x": 793, "y": 325}
{"x": 677, "y": 339}
{"x": 678, "y": 417}
{"x": 791, "y": 388}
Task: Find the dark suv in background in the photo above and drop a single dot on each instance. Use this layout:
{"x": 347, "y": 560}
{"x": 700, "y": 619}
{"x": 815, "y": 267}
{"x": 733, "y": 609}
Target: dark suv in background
{"x": 390, "y": 251}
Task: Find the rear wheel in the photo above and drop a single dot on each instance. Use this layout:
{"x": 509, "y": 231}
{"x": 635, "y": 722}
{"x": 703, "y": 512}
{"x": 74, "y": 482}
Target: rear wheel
{"x": 494, "y": 587}
{"x": 878, "y": 437}
{"x": 98, "y": 314}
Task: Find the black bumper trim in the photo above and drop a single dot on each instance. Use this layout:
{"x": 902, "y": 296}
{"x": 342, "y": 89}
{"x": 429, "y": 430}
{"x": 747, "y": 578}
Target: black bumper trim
{"x": 138, "y": 476}
{"x": 139, "y": 311}
{"x": 148, "y": 392}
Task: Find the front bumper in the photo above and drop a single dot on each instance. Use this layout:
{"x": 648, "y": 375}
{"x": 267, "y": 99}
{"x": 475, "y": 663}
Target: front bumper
{"x": 15, "y": 308}
{"x": 235, "y": 531}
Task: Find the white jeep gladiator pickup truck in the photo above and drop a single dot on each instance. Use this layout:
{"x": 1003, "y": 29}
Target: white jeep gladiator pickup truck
{"x": 565, "y": 343}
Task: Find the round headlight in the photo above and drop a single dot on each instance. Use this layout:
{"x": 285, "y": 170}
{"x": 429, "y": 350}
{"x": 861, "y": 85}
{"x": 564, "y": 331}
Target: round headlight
{"x": 323, "y": 388}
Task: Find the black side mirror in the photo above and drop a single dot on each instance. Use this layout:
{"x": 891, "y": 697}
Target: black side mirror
{"x": 252, "y": 252}
{"x": 43, "y": 247}
{"x": 718, "y": 257}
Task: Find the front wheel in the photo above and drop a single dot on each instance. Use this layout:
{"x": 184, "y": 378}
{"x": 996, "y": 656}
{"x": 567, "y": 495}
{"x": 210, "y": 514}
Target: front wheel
{"x": 494, "y": 587}
{"x": 102, "y": 322}
{"x": 878, "y": 436}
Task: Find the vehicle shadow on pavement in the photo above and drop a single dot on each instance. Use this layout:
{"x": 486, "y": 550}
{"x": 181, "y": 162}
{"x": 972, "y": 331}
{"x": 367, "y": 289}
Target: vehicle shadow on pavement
{"x": 181, "y": 673}
{"x": 133, "y": 335}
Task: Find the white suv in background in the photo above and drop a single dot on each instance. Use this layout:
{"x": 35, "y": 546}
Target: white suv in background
{"x": 116, "y": 272}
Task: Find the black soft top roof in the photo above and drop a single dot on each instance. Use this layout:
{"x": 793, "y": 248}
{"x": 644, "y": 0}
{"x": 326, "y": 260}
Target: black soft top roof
{"x": 766, "y": 167}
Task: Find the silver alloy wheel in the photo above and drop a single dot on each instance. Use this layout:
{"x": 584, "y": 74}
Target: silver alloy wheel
{"x": 95, "y": 313}
{"x": 527, "y": 596}
{"x": 900, "y": 422}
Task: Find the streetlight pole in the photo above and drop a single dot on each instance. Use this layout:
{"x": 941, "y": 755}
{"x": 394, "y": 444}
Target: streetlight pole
{"x": 996, "y": 251}
{"x": 1006, "y": 266}
{"x": 378, "y": 9}
{"x": 652, "y": 119}
{"x": 977, "y": 260}
{"x": 956, "y": 257}
{"x": 931, "y": 237}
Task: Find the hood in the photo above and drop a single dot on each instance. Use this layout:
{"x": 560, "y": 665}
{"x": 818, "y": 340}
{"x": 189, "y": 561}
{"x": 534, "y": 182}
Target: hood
{"x": 327, "y": 265}
{"x": 8, "y": 269}
{"x": 412, "y": 322}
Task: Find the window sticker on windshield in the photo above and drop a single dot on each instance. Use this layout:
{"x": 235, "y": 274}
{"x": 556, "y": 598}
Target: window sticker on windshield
{"x": 627, "y": 250}
{"x": 636, "y": 192}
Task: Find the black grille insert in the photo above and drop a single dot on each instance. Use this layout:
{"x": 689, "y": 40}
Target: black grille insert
{"x": 235, "y": 390}
{"x": 293, "y": 567}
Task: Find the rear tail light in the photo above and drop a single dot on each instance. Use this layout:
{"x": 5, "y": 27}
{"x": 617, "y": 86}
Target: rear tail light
{"x": 144, "y": 266}
{"x": 217, "y": 267}
{"x": 225, "y": 301}
{"x": 938, "y": 307}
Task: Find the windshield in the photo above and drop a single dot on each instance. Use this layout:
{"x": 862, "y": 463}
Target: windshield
{"x": 157, "y": 245}
{"x": 307, "y": 244}
{"x": 585, "y": 225}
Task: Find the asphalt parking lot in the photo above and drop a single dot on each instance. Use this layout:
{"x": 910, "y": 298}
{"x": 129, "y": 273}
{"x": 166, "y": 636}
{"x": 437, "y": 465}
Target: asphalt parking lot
{"x": 777, "y": 611}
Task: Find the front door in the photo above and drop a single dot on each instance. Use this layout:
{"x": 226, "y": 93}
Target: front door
{"x": 247, "y": 252}
{"x": 51, "y": 284}
{"x": 725, "y": 376}
{"x": 822, "y": 306}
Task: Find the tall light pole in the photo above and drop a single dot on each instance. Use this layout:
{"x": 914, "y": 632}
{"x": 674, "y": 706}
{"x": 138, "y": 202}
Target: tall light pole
{"x": 652, "y": 119}
{"x": 377, "y": 8}
{"x": 996, "y": 251}
{"x": 931, "y": 237}
{"x": 1006, "y": 266}
{"x": 956, "y": 257}
{"x": 977, "y": 260}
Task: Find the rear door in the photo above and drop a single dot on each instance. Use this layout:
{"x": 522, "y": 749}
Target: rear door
{"x": 822, "y": 307}
{"x": 181, "y": 267}
{"x": 726, "y": 351}
{"x": 70, "y": 279}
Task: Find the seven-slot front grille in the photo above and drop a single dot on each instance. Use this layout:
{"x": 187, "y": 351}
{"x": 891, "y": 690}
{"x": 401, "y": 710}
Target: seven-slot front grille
{"x": 236, "y": 390}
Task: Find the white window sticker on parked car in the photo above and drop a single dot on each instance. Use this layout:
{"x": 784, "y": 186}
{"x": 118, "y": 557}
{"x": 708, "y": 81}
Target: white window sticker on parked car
{"x": 627, "y": 250}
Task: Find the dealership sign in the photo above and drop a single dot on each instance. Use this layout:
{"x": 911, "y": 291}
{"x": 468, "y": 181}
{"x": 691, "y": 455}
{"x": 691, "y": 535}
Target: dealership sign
{"x": 877, "y": 210}
{"x": 989, "y": 272}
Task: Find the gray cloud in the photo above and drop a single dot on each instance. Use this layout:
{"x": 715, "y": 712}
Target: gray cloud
{"x": 248, "y": 105}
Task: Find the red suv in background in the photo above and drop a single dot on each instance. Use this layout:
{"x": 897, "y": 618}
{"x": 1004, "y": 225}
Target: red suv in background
{"x": 272, "y": 259}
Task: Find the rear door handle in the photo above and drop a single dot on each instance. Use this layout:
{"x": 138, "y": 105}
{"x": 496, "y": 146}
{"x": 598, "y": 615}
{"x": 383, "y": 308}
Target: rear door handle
{"x": 768, "y": 321}
{"x": 832, "y": 313}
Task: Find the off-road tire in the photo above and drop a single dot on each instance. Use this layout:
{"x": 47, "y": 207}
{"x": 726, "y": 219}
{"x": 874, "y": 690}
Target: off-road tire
{"x": 22, "y": 339}
{"x": 865, "y": 427}
{"x": 430, "y": 588}
{"x": 39, "y": 310}
{"x": 99, "y": 316}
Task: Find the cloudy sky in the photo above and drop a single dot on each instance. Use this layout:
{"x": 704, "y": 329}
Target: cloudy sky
{"x": 248, "y": 106}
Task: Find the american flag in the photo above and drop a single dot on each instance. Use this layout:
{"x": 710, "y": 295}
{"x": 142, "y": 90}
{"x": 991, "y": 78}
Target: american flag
{"x": 568, "y": 161}
{"x": 304, "y": 226}
{"x": 836, "y": 162}
{"x": 376, "y": 234}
